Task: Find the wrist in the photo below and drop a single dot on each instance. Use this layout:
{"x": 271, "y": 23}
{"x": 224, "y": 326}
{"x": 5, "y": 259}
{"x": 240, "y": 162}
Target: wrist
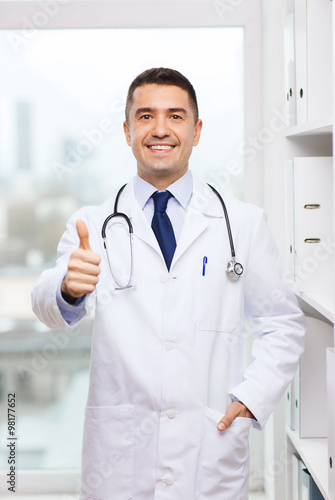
{"x": 246, "y": 411}
{"x": 65, "y": 292}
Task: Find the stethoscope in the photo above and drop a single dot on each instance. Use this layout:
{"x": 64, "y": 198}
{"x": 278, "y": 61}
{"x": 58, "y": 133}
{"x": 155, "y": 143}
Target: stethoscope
{"x": 234, "y": 269}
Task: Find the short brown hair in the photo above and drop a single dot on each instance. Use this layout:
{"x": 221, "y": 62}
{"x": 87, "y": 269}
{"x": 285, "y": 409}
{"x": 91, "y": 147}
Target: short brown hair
{"x": 162, "y": 76}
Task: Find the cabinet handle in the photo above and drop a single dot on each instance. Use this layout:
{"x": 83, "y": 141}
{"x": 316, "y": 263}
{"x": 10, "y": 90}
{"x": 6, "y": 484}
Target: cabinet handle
{"x": 330, "y": 462}
{"x": 312, "y": 206}
{"x": 312, "y": 240}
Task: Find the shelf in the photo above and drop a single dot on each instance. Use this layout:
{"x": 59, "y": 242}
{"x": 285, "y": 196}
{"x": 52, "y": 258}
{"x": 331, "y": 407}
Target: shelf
{"x": 314, "y": 454}
{"x": 323, "y": 302}
{"x": 320, "y": 127}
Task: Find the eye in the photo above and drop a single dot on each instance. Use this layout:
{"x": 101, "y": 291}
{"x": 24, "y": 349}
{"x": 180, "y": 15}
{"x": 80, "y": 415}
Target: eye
{"x": 176, "y": 117}
{"x": 145, "y": 117}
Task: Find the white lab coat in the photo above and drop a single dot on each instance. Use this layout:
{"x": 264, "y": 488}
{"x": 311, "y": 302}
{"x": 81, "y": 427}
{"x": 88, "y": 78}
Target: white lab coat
{"x": 167, "y": 354}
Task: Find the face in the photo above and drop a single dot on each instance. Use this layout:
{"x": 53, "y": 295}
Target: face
{"x": 161, "y": 132}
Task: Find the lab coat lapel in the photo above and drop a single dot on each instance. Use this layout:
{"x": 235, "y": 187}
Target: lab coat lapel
{"x": 141, "y": 226}
{"x": 204, "y": 204}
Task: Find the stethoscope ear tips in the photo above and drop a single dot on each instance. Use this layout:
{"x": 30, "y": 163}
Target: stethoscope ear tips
{"x": 234, "y": 270}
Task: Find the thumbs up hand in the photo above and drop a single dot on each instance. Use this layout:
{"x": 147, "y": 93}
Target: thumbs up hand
{"x": 83, "y": 268}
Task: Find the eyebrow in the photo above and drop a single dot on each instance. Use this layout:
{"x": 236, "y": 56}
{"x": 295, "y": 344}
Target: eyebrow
{"x": 151, "y": 110}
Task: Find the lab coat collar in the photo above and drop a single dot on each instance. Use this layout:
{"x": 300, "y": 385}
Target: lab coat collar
{"x": 204, "y": 200}
{"x": 203, "y": 203}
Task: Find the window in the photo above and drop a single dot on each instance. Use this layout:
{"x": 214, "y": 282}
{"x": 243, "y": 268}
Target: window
{"x": 50, "y": 193}
{"x": 63, "y": 110}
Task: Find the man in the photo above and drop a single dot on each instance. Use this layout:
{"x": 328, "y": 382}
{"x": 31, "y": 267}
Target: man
{"x": 169, "y": 405}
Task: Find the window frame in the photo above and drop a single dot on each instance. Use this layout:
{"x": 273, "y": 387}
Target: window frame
{"x": 90, "y": 14}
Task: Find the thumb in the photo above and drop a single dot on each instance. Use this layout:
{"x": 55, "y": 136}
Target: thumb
{"x": 83, "y": 235}
{"x": 231, "y": 413}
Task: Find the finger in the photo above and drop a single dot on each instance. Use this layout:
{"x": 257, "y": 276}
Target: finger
{"x": 87, "y": 269}
{"x": 85, "y": 261}
{"x": 77, "y": 290}
{"x": 231, "y": 413}
{"x": 224, "y": 423}
{"x": 77, "y": 276}
{"x": 77, "y": 283}
{"x": 83, "y": 235}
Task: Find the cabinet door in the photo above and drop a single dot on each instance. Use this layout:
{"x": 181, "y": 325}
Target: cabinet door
{"x": 301, "y": 59}
{"x": 313, "y": 59}
{"x": 319, "y": 59}
{"x": 311, "y": 396}
{"x": 290, "y": 86}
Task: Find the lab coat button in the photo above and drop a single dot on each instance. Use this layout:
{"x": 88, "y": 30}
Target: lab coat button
{"x": 169, "y": 346}
{"x": 163, "y": 279}
{"x": 169, "y": 479}
{"x": 171, "y": 413}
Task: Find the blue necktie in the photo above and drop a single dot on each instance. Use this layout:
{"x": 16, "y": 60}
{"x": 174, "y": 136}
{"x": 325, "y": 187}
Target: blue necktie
{"x": 162, "y": 226}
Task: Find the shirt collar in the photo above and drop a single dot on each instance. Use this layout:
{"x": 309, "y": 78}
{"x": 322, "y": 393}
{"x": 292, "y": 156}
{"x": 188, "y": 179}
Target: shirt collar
{"x": 182, "y": 190}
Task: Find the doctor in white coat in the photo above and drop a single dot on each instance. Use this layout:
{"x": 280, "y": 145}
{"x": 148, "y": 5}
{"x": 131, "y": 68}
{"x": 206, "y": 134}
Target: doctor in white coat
{"x": 170, "y": 404}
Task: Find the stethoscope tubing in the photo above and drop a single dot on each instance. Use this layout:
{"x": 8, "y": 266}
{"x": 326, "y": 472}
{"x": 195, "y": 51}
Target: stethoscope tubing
{"x": 225, "y": 211}
{"x": 116, "y": 214}
{"x": 234, "y": 269}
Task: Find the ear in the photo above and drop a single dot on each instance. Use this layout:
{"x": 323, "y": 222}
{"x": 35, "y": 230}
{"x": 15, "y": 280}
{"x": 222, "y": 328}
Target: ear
{"x": 127, "y": 132}
{"x": 197, "y": 133}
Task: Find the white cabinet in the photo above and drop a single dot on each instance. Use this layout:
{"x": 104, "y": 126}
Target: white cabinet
{"x": 312, "y": 218}
{"x": 313, "y": 42}
{"x": 309, "y": 402}
{"x": 310, "y": 244}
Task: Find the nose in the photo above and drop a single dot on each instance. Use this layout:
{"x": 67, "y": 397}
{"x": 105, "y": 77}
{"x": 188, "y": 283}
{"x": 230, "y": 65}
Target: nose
{"x": 160, "y": 127}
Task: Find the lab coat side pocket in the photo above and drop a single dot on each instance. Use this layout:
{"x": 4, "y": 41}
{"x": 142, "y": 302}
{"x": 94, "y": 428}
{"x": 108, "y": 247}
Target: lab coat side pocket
{"x": 108, "y": 453}
{"x": 224, "y": 459}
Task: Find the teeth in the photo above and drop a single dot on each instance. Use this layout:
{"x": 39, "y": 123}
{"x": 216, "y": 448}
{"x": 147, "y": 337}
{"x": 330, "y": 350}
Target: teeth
{"x": 161, "y": 147}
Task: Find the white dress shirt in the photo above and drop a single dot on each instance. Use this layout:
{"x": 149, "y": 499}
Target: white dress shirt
{"x": 181, "y": 191}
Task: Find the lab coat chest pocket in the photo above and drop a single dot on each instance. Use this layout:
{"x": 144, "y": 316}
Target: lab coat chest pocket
{"x": 217, "y": 299}
{"x": 224, "y": 459}
{"x": 108, "y": 453}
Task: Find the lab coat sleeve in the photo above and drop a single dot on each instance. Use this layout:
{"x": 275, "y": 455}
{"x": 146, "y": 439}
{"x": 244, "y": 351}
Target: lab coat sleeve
{"x": 72, "y": 313}
{"x": 44, "y": 293}
{"x": 278, "y": 323}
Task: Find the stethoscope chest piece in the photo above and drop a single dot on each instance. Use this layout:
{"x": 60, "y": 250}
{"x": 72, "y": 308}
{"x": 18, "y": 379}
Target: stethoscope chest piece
{"x": 234, "y": 269}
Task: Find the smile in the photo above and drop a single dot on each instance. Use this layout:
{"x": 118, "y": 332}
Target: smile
{"x": 161, "y": 147}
